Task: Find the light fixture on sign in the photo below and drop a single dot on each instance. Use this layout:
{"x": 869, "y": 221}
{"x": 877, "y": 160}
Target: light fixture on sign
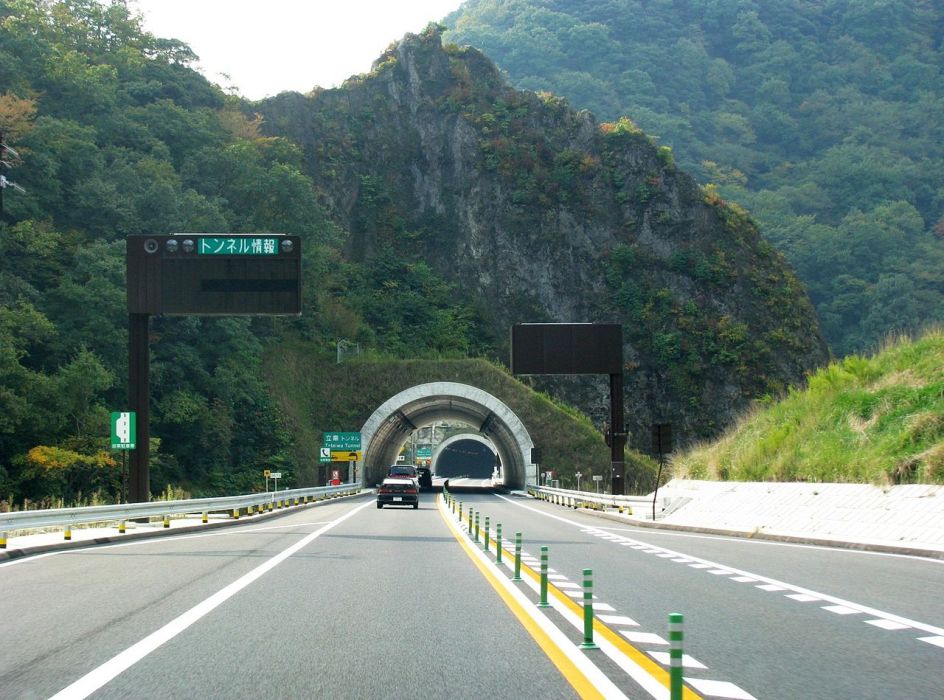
{"x": 188, "y": 245}
{"x": 171, "y": 245}
{"x": 287, "y": 246}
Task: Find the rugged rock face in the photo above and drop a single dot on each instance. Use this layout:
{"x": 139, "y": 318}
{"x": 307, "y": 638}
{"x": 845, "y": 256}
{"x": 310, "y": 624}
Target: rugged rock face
{"x": 541, "y": 214}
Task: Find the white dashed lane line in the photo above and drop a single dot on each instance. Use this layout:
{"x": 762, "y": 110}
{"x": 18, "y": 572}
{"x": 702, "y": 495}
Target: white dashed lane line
{"x": 706, "y": 687}
{"x": 885, "y": 621}
{"x": 881, "y": 619}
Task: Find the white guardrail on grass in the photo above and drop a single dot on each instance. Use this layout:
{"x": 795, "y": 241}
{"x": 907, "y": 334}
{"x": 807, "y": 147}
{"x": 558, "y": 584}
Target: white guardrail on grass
{"x": 638, "y": 505}
{"x": 234, "y": 505}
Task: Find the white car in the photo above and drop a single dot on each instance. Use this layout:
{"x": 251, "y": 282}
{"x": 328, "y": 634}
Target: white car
{"x": 398, "y": 491}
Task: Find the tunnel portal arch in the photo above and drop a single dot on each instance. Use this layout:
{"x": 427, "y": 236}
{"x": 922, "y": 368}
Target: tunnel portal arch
{"x": 388, "y": 427}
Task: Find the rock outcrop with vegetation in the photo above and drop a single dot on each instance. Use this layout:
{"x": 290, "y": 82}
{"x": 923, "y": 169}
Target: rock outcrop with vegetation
{"x": 535, "y": 212}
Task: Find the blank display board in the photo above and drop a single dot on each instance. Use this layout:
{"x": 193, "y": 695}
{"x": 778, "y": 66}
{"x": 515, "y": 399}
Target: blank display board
{"x": 566, "y": 348}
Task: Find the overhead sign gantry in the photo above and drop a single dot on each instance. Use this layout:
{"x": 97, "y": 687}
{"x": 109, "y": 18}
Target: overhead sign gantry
{"x": 199, "y": 274}
{"x": 578, "y": 348}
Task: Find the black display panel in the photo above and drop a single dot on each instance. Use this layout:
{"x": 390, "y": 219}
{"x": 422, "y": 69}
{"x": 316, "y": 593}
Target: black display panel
{"x": 214, "y": 274}
{"x": 567, "y": 348}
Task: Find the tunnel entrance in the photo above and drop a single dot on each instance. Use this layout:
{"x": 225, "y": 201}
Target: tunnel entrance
{"x": 466, "y": 455}
{"x": 392, "y": 423}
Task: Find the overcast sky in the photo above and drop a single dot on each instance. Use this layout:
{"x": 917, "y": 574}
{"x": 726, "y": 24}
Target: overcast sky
{"x": 268, "y": 46}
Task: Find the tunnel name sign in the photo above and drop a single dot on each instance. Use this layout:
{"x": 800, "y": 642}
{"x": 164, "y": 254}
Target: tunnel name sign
{"x": 342, "y": 441}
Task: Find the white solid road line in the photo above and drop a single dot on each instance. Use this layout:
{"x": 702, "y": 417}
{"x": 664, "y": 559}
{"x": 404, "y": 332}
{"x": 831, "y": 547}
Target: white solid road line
{"x": 773, "y": 543}
{"x": 166, "y": 537}
{"x": 98, "y": 677}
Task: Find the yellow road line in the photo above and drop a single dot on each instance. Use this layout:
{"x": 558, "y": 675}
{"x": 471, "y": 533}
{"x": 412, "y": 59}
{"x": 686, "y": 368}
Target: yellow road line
{"x": 636, "y": 655}
{"x": 580, "y": 682}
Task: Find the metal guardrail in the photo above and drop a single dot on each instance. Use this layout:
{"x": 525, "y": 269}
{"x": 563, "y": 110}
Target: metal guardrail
{"x": 641, "y": 505}
{"x": 64, "y": 517}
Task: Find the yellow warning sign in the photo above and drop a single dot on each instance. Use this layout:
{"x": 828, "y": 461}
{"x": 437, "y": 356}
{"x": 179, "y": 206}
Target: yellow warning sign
{"x": 345, "y": 455}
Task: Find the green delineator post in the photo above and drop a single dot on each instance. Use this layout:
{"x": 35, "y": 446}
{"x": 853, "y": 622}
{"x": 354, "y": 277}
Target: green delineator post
{"x": 588, "y": 610}
{"x": 544, "y": 603}
{"x": 675, "y": 656}
{"x": 517, "y": 557}
{"x": 471, "y": 511}
{"x": 486, "y": 533}
{"x": 477, "y": 514}
{"x": 498, "y": 543}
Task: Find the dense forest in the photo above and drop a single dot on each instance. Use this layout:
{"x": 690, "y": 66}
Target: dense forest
{"x": 113, "y": 133}
{"x": 822, "y": 118}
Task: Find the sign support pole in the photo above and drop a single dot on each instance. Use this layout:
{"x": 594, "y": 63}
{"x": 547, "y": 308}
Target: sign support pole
{"x": 618, "y": 434}
{"x": 139, "y": 360}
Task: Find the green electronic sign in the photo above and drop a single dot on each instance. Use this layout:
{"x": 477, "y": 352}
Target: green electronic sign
{"x": 237, "y": 246}
{"x": 214, "y": 274}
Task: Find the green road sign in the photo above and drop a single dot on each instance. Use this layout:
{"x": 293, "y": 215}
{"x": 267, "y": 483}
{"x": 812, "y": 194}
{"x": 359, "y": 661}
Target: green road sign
{"x": 123, "y": 430}
{"x": 237, "y": 246}
{"x": 342, "y": 441}
{"x": 424, "y": 452}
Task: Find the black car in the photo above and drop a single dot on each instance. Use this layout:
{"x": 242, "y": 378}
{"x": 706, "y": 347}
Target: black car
{"x": 425, "y": 477}
{"x": 398, "y": 491}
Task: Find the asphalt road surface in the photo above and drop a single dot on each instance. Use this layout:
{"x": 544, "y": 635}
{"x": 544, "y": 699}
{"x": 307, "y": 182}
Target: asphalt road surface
{"x": 344, "y": 600}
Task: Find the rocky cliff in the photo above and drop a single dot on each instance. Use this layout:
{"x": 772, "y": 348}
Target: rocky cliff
{"x": 539, "y": 213}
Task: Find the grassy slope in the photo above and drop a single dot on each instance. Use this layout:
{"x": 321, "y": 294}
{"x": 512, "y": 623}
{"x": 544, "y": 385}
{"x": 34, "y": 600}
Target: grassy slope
{"x": 873, "y": 419}
{"x": 317, "y": 395}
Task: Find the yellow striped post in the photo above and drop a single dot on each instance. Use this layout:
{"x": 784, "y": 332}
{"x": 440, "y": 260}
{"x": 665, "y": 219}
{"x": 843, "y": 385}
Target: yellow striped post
{"x": 121, "y": 527}
{"x": 166, "y": 521}
{"x": 206, "y": 517}
{"x": 3, "y": 540}
{"x": 68, "y": 532}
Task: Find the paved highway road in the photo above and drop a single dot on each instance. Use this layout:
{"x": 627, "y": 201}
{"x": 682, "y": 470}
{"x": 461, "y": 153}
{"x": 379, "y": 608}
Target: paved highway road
{"x": 344, "y": 600}
{"x": 776, "y": 620}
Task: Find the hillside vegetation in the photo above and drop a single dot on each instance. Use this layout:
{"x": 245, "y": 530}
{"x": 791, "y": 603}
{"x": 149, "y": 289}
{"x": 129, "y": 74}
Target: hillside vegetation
{"x": 877, "y": 419}
{"x": 318, "y": 395}
{"x": 389, "y": 181}
{"x": 823, "y": 119}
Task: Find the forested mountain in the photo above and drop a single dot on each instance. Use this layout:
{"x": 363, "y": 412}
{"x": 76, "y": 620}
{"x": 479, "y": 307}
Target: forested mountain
{"x": 436, "y": 205}
{"x": 823, "y": 118}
